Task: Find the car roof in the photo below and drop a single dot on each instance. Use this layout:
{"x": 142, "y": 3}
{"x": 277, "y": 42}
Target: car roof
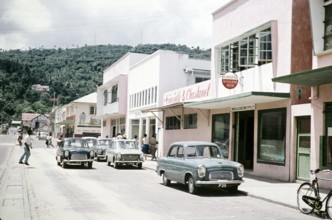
{"x": 191, "y": 143}
{"x": 89, "y": 138}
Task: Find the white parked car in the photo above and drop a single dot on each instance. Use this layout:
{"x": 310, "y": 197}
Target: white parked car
{"x": 124, "y": 152}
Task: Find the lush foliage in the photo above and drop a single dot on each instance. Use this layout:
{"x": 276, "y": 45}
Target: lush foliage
{"x": 69, "y": 73}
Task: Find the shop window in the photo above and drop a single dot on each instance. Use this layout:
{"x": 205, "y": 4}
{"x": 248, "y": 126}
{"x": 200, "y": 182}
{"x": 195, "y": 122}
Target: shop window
{"x": 190, "y": 121}
{"x": 271, "y": 136}
{"x": 220, "y": 132}
{"x": 328, "y": 26}
{"x": 173, "y": 122}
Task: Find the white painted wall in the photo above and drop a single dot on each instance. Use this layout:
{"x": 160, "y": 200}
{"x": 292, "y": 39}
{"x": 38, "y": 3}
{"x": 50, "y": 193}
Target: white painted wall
{"x": 243, "y": 16}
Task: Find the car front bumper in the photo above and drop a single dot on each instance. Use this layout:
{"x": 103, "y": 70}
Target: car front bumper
{"x": 129, "y": 162}
{"x": 220, "y": 183}
{"x": 78, "y": 161}
{"x": 102, "y": 157}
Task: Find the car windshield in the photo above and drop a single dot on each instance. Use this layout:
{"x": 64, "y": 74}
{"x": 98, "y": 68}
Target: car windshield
{"x": 75, "y": 143}
{"x": 209, "y": 151}
{"x": 91, "y": 142}
{"x": 104, "y": 142}
{"x": 127, "y": 145}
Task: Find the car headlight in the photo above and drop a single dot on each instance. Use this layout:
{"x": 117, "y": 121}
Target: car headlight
{"x": 201, "y": 170}
{"x": 118, "y": 156}
{"x": 100, "y": 151}
{"x": 141, "y": 157}
{"x": 92, "y": 154}
{"x": 66, "y": 153}
{"x": 240, "y": 170}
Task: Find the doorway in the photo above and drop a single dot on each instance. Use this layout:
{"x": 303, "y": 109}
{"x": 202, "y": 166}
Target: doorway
{"x": 244, "y": 138}
{"x": 303, "y": 148}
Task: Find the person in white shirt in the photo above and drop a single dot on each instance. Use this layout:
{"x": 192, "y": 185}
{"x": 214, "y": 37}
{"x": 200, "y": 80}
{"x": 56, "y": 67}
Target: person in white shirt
{"x": 27, "y": 146}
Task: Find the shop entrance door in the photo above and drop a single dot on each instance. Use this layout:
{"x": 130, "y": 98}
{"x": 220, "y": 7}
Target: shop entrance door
{"x": 303, "y": 148}
{"x": 244, "y": 138}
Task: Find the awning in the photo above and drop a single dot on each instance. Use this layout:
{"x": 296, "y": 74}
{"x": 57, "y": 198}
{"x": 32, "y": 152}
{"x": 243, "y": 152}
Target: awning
{"x": 242, "y": 99}
{"x": 66, "y": 122}
{"x": 162, "y": 108}
{"x": 313, "y": 77}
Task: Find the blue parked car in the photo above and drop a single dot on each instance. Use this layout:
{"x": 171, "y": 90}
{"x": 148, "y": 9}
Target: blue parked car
{"x": 199, "y": 164}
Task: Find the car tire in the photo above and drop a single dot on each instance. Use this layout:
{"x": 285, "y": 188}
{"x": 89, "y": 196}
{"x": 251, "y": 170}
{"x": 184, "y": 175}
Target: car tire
{"x": 116, "y": 165}
{"x": 90, "y": 165}
{"x": 108, "y": 162}
{"x": 192, "y": 188}
{"x": 64, "y": 165}
{"x": 166, "y": 182}
{"x": 232, "y": 189}
{"x": 139, "y": 165}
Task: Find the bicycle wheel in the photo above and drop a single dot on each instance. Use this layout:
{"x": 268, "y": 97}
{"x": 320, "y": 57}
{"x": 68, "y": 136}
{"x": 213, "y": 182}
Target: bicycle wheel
{"x": 329, "y": 206}
{"x": 306, "y": 189}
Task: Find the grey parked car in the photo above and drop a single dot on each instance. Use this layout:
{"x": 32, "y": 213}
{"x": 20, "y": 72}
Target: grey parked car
{"x": 199, "y": 164}
{"x": 124, "y": 152}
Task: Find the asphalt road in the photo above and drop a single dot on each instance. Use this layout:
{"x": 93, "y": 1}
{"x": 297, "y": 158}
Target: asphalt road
{"x": 130, "y": 193}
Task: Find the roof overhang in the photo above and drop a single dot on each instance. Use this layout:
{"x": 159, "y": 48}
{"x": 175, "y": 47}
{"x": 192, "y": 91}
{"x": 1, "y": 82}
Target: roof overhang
{"x": 248, "y": 98}
{"x": 313, "y": 77}
{"x": 162, "y": 108}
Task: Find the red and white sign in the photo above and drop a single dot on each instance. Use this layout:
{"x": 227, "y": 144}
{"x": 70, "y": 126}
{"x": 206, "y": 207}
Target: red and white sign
{"x": 230, "y": 80}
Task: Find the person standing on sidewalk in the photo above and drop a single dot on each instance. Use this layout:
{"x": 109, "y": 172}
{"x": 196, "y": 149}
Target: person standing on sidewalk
{"x": 145, "y": 146}
{"x": 27, "y": 146}
{"x": 153, "y": 146}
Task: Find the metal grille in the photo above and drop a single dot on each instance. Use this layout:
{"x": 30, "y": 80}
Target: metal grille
{"x": 221, "y": 175}
{"x": 78, "y": 157}
{"x": 129, "y": 157}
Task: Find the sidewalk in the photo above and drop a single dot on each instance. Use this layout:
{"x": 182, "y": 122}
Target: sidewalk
{"x": 14, "y": 202}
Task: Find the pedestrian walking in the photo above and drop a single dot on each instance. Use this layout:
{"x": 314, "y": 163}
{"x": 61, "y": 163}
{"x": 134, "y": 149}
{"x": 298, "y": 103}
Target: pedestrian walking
{"x": 49, "y": 140}
{"x": 145, "y": 146}
{"x": 153, "y": 146}
{"x": 27, "y": 147}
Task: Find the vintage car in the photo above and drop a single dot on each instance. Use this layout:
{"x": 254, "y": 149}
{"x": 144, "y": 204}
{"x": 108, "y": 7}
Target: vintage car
{"x": 124, "y": 152}
{"x": 74, "y": 151}
{"x": 92, "y": 143}
{"x": 100, "y": 149}
{"x": 199, "y": 164}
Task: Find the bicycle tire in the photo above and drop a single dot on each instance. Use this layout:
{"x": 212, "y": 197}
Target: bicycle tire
{"x": 308, "y": 190}
{"x": 329, "y": 206}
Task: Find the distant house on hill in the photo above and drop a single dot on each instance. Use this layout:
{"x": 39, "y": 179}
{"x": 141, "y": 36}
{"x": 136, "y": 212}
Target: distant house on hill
{"x": 37, "y": 122}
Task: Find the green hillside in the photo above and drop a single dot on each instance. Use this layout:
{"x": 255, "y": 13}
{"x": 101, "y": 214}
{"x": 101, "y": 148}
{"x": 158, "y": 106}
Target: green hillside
{"x": 69, "y": 73}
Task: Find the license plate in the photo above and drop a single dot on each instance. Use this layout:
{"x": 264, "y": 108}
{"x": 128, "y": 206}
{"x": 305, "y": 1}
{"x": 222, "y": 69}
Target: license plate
{"x": 222, "y": 185}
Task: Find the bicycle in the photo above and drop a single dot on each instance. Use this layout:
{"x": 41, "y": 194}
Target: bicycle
{"x": 308, "y": 196}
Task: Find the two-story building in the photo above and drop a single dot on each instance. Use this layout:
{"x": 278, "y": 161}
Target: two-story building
{"x": 249, "y": 115}
{"x": 78, "y": 118}
{"x": 311, "y": 122}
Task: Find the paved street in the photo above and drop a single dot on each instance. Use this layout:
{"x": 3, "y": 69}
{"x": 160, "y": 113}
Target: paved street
{"x": 44, "y": 190}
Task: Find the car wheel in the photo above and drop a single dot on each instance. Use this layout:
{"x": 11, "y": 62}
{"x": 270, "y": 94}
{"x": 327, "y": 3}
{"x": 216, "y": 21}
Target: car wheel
{"x": 166, "y": 182}
{"x": 108, "y": 162}
{"x": 139, "y": 165}
{"x": 116, "y": 166}
{"x": 191, "y": 185}
{"x": 232, "y": 189}
{"x": 90, "y": 165}
{"x": 64, "y": 165}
